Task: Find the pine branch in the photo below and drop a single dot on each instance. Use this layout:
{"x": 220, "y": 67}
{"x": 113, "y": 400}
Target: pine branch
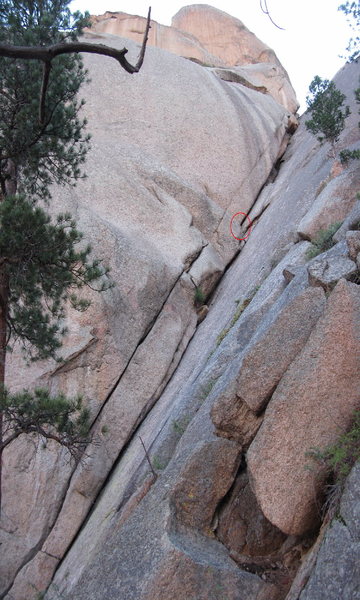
{"x": 49, "y": 418}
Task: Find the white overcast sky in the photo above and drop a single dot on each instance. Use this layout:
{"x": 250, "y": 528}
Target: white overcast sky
{"x": 315, "y": 31}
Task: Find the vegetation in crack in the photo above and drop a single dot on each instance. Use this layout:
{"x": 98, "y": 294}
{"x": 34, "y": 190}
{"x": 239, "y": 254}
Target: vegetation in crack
{"x": 199, "y": 297}
{"x": 355, "y": 277}
{"x": 180, "y": 425}
{"x": 206, "y": 389}
{"x": 240, "y": 309}
{"x": 338, "y": 459}
{"x": 323, "y": 241}
{"x": 158, "y": 463}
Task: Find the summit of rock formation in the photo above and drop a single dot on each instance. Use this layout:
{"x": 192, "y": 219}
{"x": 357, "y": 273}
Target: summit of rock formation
{"x": 213, "y": 365}
{"x": 214, "y": 39}
{"x": 223, "y": 36}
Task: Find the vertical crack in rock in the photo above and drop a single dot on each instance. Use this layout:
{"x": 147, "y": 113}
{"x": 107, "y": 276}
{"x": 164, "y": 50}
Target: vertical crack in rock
{"x": 146, "y": 333}
{"x": 165, "y": 380}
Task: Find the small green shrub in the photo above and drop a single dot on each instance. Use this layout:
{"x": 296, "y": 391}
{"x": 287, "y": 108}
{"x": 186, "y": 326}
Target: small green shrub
{"x": 347, "y": 155}
{"x": 206, "y": 389}
{"x": 339, "y": 458}
{"x": 199, "y": 297}
{"x": 241, "y": 307}
{"x": 323, "y": 241}
{"x": 157, "y": 463}
{"x": 180, "y": 425}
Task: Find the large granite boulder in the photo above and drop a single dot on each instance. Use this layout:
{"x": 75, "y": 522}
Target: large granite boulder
{"x": 222, "y": 35}
{"x": 212, "y": 38}
{"x": 311, "y": 406}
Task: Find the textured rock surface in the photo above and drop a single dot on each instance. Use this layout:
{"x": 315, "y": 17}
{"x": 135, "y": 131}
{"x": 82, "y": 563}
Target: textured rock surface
{"x": 177, "y": 555}
{"x": 327, "y": 271}
{"x": 196, "y": 482}
{"x": 213, "y": 38}
{"x": 351, "y": 222}
{"x": 222, "y": 35}
{"x": 242, "y": 526}
{"x": 313, "y": 403}
{"x": 266, "y": 79}
{"x": 337, "y": 570}
{"x": 161, "y": 36}
{"x": 353, "y": 242}
{"x": 265, "y": 363}
{"x": 333, "y": 203}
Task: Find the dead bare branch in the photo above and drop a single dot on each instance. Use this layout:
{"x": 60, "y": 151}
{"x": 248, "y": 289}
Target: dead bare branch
{"x": 265, "y": 10}
{"x": 148, "y": 459}
{"x": 47, "y": 53}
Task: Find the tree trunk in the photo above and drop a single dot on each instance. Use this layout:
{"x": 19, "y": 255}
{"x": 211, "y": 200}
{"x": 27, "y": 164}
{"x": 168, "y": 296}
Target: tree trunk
{"x": 11, "y": 179}
{"x": 4, "y": 294}
{"x": 11, "y": 186}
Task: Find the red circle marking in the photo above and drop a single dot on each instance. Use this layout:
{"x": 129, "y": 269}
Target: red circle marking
{"x": 250, "y": 225}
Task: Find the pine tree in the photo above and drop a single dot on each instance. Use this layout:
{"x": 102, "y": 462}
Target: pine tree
{"x": 328, "y": 113}
{"x": 36, "y": 152}
{"x": 41, "y": 267}
{"x": 351, "y": 9}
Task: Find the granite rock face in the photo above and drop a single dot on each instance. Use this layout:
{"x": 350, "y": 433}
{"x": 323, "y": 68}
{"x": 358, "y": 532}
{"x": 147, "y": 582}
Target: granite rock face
{"x": 327, "y": 271}
{"x": 155, "y": 207}
{"x": 264, "y": 365}
{"x": 212, "y": 38}
{"x": 141, "y": 532}
{"x": 207, "y": 517}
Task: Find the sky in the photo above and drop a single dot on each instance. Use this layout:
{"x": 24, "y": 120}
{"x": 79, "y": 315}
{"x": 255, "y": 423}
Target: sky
{"x": 315, "y": 32}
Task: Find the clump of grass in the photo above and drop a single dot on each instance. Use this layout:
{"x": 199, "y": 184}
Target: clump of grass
{"x": 157, "y": 463}
{"x": 240, "y": 309}
{"x": 199, "y": 296}
{"x": 180, "y": 425}
{"x": 339, "y": 459}
{"x": 323, "y": 241}
{"x": 206, "y": 389}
